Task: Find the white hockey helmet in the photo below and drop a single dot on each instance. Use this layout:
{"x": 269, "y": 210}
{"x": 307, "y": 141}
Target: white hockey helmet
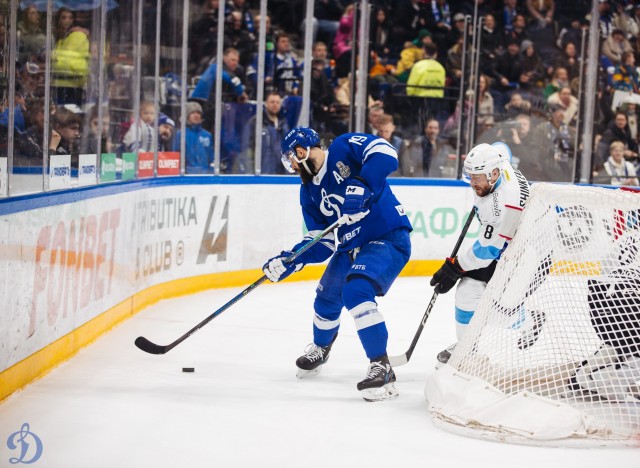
{"x": 482, "y": 159}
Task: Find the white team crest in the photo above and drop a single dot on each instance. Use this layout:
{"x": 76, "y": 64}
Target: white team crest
{"x": 330, "y": 204}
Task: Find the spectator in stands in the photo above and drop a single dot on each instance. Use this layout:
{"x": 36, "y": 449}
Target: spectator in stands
{"x": 453, "y": 64}
{"x": 509, "y": 13}
{"x": 412, "y": 52}
{"x": 569, "y": 104}
{"x": 618, "y": 171}
{"x": 519, "y": 137}
{"x": 234, "y": 111}
{"x": 633, "y": 25}
{"x": 326, "y": 113}
{"x": 605, "y": 19}
{"x": 533, "y": 73}
{"x": 630, "y": 109}
{"x": 618, "y": 130}
{"x": 560, "y": 79}
{"x": 68, "y": 125}
{"x": 199, "y": 142}
{"x": 554, "y": 140}
{"x": 69, "y": 59}
{"x": 573, "y": 33}
{"x": 408, "y": 18}
{"x": 457, "y": 30}
{"x": 166, "y": 130}
{"x": 519, "y": 31}
{"x": 427, "y": 155}
{"x": 236, "y": 36}
{"x": 492, "y": 40}
{"x": 96, "y": 135}
{"x": 287, "y": 71}
{"x": 269, "y": 62}
{"x": 622, "y": 17}
{"x": 203, "y": 34}
{"x": 233, "y": 88}
{"x": 140, "y": 135}
{"x": 541, "y": 12}
{"x": 320, "y": 52}
{"x": 342, "y": 43}
{"x": 379, "y": 32}
{"x": 486, "y": 108}
{"x": 507, "y": 69}
{"x": 440, "y": 22}
{"x": 31, "y": 36}
{"x": 381, "y": 76}
{"x": 614, "y": 46}
{"x": 625, "y": 76}
{"x": 374, "y": 113}
{"x": 427, "y": 72}
{"x": 274, "y": 129}
{"x": 386, "y": 129}
{"x": 31, "y": 78}
{"x": 569, "y": 60}
{"x": 247, "y": 22}
{"x": 326, "y": 19}
{"x": 32, "y": 149}
{"x": 517, "y": 105}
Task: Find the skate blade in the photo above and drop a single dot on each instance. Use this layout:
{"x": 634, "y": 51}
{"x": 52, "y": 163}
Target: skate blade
{"x": 386, "y": 392}
{"x": 305, "y": 374}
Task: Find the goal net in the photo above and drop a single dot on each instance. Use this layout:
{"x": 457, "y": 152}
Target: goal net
{"x": 552, "y": 355}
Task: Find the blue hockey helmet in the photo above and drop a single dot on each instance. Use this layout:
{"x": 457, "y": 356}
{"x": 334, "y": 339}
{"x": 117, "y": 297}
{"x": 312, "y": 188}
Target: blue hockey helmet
{"x": 299, "y": 136}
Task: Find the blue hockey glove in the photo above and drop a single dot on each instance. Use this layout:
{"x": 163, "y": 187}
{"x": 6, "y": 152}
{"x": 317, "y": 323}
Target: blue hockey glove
{"x": 276, "y": 270}
{"x": 447, "y": 276}
{"x": 356, "y": 201}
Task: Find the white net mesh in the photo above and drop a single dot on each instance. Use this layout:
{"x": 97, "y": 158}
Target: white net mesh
{"x": 553, "y": 351}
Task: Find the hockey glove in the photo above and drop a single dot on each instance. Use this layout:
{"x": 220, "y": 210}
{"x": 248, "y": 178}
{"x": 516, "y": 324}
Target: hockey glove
{"x": 276, "y": 269}
{"x": 447, "y": 276}
{"x": 356, "y": 201}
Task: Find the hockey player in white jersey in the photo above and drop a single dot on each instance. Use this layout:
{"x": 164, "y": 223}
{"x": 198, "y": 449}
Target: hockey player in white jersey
{"x": 348, "y": 180}
{"x": 500, "y": 193}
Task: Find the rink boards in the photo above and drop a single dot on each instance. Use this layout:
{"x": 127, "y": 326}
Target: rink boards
{"x": 76, "y": 263}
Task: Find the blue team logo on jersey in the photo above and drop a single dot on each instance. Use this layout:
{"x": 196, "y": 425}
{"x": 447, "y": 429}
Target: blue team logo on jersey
{"x": 28, "y": 444}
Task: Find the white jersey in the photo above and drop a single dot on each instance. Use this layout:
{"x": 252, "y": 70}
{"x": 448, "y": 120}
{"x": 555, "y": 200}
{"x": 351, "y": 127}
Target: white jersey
{"x": 499, "y": 213}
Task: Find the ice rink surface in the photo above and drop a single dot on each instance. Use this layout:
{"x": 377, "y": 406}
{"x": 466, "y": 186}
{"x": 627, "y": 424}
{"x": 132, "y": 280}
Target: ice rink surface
{"x": 114, "y": 406}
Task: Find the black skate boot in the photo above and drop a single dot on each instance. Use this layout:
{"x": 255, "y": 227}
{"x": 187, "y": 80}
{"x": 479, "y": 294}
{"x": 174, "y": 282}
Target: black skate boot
{"x": 444, "y": 355}
{"x": 378, "y": 384}
{"x": 314, "y": 357}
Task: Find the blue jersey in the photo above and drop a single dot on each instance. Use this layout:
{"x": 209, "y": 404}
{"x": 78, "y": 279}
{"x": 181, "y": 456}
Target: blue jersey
{"x": 354, "y": 155}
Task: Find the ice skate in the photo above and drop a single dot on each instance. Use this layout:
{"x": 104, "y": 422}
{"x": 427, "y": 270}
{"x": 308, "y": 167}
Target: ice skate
{"x": 310, "y": 363}
{"x": 379, "y": 385}
{"x": 444, "y": 355}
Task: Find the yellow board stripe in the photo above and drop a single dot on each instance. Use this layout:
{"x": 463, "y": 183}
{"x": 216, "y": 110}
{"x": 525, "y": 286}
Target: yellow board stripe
{"x": 42, "y": 361}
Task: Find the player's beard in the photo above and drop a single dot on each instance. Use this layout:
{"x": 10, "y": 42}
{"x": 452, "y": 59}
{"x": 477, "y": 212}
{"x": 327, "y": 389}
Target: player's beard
{"x": 304, "y": 174}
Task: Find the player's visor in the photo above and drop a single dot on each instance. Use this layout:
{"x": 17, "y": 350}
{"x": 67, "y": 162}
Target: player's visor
{"x": 290, "y": 155}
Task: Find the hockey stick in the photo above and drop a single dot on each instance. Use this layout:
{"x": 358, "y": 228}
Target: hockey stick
{"x": 404, "y": 358}
{"x": 152, "y": 348}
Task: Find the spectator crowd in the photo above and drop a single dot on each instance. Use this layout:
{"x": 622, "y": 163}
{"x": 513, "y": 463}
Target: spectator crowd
{"x": 527, "y": 89}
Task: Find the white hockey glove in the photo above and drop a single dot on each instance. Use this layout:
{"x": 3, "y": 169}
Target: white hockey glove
{"x": 356, "y": 201}
{"x": 276, "y": 270}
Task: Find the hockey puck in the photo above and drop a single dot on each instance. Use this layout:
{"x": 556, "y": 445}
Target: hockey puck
{"x": 188, "y": 369}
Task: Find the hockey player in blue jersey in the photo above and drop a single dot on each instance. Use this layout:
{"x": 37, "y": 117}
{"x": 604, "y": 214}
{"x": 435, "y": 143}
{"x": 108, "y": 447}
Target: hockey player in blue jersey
{"x": 500, "y": 193}
{"x": 348, "y": 180}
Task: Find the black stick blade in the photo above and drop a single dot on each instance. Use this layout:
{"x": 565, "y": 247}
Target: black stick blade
{"x": 149, "y": 347}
